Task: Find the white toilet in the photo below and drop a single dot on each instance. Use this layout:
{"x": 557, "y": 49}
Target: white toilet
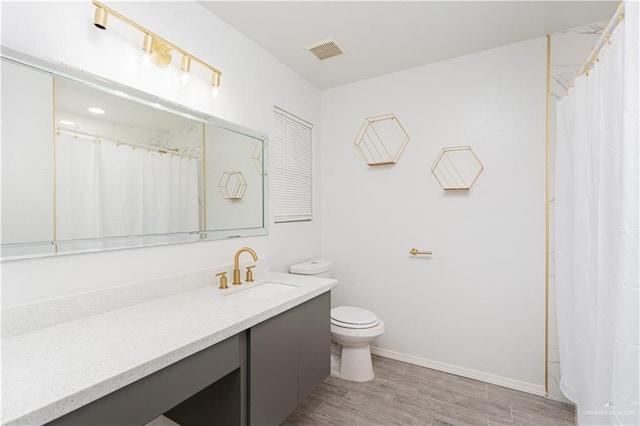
{"x": 352, "y": 331}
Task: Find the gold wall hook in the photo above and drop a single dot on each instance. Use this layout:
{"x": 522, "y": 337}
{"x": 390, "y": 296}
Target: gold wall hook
{"x": 414, "y": 251}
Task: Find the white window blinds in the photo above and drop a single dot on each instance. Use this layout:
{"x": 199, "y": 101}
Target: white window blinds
{"x": 291, "y": 175}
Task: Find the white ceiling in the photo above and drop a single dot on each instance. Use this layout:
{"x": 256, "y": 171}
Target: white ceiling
{"x": 382, "y": 37}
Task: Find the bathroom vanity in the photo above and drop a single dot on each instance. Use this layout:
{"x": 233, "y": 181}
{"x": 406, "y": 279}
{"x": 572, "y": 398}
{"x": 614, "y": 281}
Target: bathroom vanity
{"x": 179, "y": 345}
{"x": 203, "y": 356}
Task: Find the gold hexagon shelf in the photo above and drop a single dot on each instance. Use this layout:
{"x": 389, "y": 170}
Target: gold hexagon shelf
{"x": 232, "y": 185}
{"x": 457, "y": 167}
{"x": 379, "y": 137}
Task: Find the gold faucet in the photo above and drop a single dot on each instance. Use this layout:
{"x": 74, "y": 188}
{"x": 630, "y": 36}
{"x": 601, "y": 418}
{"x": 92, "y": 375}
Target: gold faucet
{"x": 236, "y": 267}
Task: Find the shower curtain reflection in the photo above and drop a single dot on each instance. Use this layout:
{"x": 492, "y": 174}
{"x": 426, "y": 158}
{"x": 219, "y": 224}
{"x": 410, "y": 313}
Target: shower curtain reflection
{"x": 104, "y": 190}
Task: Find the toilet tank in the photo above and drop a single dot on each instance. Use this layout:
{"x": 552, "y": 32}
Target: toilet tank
{"x": 315, "y": 267}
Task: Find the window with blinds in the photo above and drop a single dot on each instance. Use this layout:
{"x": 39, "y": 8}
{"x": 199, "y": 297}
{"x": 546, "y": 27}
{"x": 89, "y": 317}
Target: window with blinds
{"x": 291, "y": 173}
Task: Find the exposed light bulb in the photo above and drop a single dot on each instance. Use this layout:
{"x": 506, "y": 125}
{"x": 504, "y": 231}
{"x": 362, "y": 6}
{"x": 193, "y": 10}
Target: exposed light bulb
{"x": 215, "y": 83}
{"x": 146, "y": 60}
{"x": 184, "y": 77}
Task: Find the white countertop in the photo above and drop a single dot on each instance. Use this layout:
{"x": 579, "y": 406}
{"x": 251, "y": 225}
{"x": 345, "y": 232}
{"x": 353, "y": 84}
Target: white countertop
{"x": 53, "y": 371}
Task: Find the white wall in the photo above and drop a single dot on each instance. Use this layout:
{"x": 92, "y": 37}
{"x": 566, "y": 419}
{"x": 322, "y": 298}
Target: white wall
{"x": 252, "y": 82}
{"x": 477, "y": 305}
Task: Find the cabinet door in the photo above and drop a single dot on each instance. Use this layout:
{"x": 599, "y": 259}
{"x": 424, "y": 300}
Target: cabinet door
{"x": 314, "y": 343}
{"x": 273, "y": 369}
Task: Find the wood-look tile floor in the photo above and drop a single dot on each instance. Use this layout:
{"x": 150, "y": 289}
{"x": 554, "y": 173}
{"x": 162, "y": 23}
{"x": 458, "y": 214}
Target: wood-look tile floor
{"x": 404, "y": 394}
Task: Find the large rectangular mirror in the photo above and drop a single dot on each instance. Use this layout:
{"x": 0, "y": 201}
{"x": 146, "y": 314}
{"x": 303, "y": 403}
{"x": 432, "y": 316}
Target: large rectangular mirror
{"x": 91, "y": 165}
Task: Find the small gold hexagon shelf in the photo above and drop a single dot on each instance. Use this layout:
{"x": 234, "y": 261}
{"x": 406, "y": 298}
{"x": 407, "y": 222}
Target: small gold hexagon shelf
{"x": 457, "y": 167}
{"x": 379, "y": 137}
{"x": 232, "y": 185}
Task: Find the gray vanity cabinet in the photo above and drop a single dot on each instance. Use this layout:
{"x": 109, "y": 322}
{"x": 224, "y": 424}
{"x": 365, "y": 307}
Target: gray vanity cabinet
{"x": 257, "y": 377}
{"x": 314, "y": 344}
{"x": 289, "y": 356}
{"x": 204, "y": 388}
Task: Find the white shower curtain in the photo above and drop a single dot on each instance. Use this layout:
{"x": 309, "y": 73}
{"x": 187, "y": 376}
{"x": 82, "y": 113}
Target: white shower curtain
{"x": 597, "y": 194}
{"x": 104, "y": 190}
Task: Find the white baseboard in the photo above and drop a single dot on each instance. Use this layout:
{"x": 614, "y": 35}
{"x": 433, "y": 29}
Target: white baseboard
{"x": 461, "y": 371}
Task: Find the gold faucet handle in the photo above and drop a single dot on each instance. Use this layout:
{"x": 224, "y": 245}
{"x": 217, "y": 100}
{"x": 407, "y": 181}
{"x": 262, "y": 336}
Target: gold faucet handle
{"x": 250, "y": 273}
{"x": 223, "y": 280}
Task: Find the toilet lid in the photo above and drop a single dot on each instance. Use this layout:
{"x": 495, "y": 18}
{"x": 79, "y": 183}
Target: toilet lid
{"x": 353, "y": 317}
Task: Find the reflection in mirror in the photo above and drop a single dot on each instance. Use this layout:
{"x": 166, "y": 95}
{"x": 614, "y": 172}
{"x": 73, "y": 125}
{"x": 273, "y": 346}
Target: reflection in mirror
{"x": 89, "y": 168}
{"x": 232, "y": 202}
{"x": 27, "y": 159}
{"x": 122, "y": 168}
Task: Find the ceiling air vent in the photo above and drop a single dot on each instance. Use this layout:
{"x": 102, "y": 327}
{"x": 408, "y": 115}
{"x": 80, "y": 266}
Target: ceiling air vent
{"x": 326, "y": 49}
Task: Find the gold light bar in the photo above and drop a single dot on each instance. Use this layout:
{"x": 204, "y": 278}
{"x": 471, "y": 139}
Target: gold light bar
{"x": 151, "y": 39}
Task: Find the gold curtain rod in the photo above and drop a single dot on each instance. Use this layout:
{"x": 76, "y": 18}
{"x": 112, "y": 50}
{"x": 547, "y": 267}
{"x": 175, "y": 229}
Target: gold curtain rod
{"x": 99, "y": 139}
{"x": 603, "y": 40}
{"x": 156, "y": 37}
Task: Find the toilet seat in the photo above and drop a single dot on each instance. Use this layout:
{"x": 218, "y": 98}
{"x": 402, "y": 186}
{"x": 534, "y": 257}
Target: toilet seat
{"x": 353, "y": 317}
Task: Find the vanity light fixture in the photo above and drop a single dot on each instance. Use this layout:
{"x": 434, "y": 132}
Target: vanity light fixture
{"x": 100, "y": 18}
{"x": 147, "y": 43}
{"x": 185, "y": 67}
{"x": 156, "y": 49}
{"x": 215, "y": 84}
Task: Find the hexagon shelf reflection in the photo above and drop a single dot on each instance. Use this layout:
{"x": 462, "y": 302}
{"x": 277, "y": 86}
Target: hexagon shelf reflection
{"x": 232, "y": 185}
{"x": 258, "y": 157}
{"x": 381, "y": 140}
{"x": 457, "y": 167}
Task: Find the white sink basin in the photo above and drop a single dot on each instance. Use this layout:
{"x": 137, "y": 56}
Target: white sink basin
{"x": 262, "y": 291}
